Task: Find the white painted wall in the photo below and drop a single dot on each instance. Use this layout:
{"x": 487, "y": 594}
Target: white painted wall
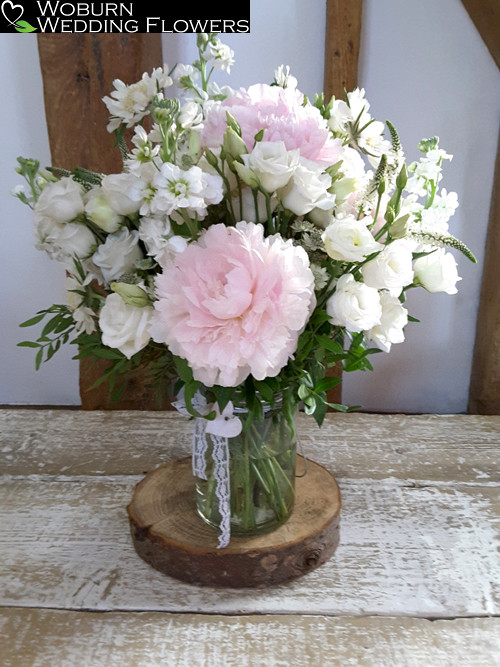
{"x": 423, "y": 66}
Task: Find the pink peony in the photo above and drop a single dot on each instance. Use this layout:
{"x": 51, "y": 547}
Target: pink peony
{"x": 281, "y": 112}
{"x": 234, "y": 304}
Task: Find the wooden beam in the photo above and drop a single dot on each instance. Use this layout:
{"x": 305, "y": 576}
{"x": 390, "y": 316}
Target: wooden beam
{"x": 78, "y": 71}
{"x": 485, "y": 15}
{"x": 342, "y": 42}
{"x": 484, "y": 394}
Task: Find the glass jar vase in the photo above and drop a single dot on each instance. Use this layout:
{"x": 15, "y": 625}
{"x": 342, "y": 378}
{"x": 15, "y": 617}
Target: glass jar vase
{"x": 261, "y": 473}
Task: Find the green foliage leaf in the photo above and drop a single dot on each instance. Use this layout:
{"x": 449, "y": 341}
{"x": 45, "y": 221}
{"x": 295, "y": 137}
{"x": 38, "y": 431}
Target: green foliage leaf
{"x": 183, "y": 369}
{"x": 326, "y": 383}
{"x": 28, "y": 343}
{"x": 33, "y": 320}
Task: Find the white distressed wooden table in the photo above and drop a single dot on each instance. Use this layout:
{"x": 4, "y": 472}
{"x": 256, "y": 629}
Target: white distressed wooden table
{"x": 415, "y": 580}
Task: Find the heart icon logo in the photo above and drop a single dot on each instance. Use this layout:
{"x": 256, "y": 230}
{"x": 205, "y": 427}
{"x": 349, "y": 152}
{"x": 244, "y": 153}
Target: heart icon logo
{"x": 8, "y": 5}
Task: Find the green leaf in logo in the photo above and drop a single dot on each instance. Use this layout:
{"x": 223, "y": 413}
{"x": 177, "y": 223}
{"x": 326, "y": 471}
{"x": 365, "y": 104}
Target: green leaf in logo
{"x": 24, "y": 26}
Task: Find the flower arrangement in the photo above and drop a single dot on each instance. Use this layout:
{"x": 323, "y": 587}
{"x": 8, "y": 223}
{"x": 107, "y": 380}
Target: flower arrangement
{"x": 253, "y": 240}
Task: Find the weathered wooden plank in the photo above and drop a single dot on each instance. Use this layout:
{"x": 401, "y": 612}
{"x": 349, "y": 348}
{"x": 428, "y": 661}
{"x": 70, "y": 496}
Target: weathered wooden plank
{"x": 77, "y": 72}
{"x": 485, "y": 15}
{"x": 484, "y": 394}
{"x": 403, "y": 550}
{"x": 342, "y": 42}
{"x": 47, "y": 638}
{"x": 453, "y": 448}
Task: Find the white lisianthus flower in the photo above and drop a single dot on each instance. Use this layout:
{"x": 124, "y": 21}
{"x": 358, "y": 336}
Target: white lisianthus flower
{"x": 60, "y": 200}
{"x": 349, "y": 240}
{"x": 437, "y": 272}
{"x": 63, "y": 241}
{"x": 272, "y": 163}
{"x": 391, "y": 269}
{"x": 354, "y": 305}
{"x": 306, "y": 190}
{"x": 76, "y": 240}
{"x": 118, "y": 254}
{"x": 100, "y": 212}
{"x": 123, "y": 192}
{"x": 191, "y": 189}
{"x": 124, "y": 327}
{"x": 321, "y": 217}
{"x": 392, "y": 322}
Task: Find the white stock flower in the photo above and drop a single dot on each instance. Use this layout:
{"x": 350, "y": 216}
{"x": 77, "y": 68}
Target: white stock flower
{"x": 145, "y": 150}
{"x": 190, "y": 116}
{"x": 182, "y": 71}
{"x": 272, "y": 163}
{"x": 437, "y": 272}
{"x": 160, "y": 242}
{"x": 118, "y": 254}
{"x": 123, "y": 192}
{"x": 392, "y": 322}
{"x": 219, "y": 55}
{"x": 60, "y": 200}
{"x": 129, "y": 104}
{"x": 100, "y": 212}
{"x": 191, "y": 189}
{"x": 349, "y": 240}
{"x": 391, "y": 269}
{"x": 83, "y": 316}
{"x": 306, "y": 190}
{"x": 438, "y": 215}
{"x": 124, "y": 327}
{"x": 354, "y": 305}
{"x": 283, "y": 77}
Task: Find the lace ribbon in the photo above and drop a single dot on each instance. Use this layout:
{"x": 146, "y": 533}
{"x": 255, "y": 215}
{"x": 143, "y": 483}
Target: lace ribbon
{"x": 220, "y": 429}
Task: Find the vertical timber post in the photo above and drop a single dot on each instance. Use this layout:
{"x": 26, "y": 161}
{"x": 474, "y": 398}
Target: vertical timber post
{"x": 342, "y": 44}
{"x": 77, "y": 72}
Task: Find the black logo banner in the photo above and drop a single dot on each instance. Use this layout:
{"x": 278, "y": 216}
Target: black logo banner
{"x": 59, "y": 16}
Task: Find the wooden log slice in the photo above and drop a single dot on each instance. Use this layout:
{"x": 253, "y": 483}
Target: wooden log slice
{"x": 168, "y": 533}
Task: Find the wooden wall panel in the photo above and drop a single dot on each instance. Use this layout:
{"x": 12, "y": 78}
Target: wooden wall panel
{"x": 342, "y": 43}
{"x": 485, "y": 15}
{"x": 78, "y": 71}
{"x": 484, "y": 395}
